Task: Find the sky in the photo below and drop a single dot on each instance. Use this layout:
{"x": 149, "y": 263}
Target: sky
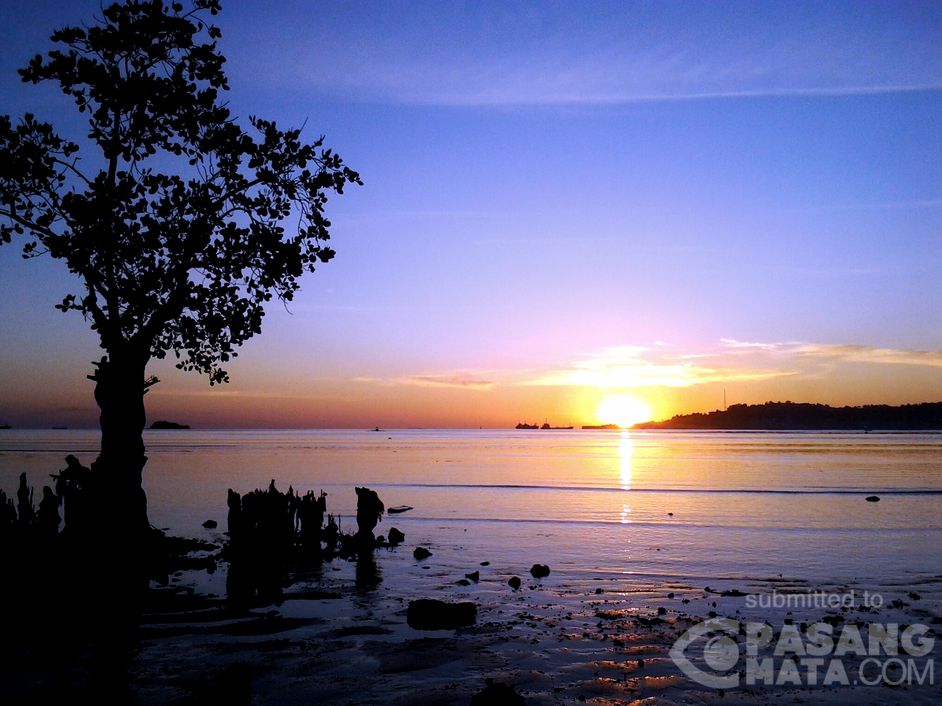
{"x": 568, "y": 208}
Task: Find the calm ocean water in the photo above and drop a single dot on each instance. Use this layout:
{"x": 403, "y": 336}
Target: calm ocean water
{"x": 665, "y": 505}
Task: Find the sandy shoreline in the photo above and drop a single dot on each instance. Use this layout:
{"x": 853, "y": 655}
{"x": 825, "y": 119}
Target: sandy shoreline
{"x": 339, "y": 635}
{"x": 341, "y": 638}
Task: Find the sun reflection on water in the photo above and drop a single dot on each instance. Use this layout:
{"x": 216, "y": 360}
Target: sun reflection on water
{"x": 625, "y": 453}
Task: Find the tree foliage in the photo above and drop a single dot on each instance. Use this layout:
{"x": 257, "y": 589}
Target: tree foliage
{"x": 172, "y": 213}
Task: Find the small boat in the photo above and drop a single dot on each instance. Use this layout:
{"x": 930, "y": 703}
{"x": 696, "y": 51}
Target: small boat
{"x": 398, "y": 509}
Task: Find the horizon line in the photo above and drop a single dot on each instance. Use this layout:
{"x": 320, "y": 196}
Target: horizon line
{"x": 575, "y": 426}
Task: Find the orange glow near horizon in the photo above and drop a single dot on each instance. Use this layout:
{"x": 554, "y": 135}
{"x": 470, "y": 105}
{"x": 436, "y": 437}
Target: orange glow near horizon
{"x": 623, "y": 409}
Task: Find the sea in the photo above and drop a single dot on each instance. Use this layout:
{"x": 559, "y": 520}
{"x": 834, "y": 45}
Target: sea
{"x": 656, "y": 506}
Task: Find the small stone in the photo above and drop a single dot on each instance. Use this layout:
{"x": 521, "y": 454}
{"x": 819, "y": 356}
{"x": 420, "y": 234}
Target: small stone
{"x": 210, "y": 524}
{"x": 514, "y": 582}
{"x": 539, "y": 571}
{"x": 421, "y": 553}
{"x": 474, "y": 576}
{"x": 395, "y": 536}
{"x": 873, "y": 498}
{"x": 497, "y": 694}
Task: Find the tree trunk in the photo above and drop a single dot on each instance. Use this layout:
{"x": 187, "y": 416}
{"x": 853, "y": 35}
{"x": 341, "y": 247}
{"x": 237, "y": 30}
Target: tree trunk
{"x": 120, "y": 546}
{"x": 119, "y": 392}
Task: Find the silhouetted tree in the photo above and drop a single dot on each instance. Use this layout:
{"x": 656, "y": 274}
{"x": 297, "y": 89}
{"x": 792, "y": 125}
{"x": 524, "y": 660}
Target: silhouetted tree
{"x": 175, "y": 224}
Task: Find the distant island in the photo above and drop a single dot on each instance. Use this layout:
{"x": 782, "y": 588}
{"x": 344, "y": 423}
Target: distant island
{"x": 806, "y": 416}
{"x": 524, "y": 425}
{"x": 600, "y": 426}
{"x": 168, "y": 425}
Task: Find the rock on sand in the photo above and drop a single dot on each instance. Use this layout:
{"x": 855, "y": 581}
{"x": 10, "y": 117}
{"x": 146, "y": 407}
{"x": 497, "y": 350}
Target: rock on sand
{"x": 497, "y": 694}
{"x": 430, "y": 614}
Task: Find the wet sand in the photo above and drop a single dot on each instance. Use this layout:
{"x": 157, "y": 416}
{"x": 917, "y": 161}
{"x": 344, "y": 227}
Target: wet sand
{"x": 340, "y": 636}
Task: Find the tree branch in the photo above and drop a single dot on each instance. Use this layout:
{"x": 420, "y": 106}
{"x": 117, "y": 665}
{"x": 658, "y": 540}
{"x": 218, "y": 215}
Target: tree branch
{"x": 72, "y": 168}
{"x": 12, "y": 215}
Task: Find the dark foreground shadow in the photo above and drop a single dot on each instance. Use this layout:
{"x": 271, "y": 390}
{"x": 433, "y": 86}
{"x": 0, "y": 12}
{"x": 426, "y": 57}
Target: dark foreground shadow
{"x": 75, "y": 584}
{"x": 72, "y": 591}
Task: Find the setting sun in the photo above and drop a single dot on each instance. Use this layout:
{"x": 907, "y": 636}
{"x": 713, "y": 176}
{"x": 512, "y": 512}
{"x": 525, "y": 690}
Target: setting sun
{"x": 623, "y": 410}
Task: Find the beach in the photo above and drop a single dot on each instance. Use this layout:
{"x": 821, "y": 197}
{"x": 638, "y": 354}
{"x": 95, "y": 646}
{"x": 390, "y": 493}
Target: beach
{"x": 647, "y": 536}
{"x": 580, "y": 353}
{"x": 604, "y": 641}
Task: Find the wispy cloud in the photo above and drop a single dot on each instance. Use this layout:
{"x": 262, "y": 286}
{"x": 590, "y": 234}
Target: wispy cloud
{"x": 489, "y": 83}
{"x": 511, "y": 54}
{"x": 462, "y": 380}
{"x": 899, "y": 205}
{"x": 732, "y": 361}
{"x": 840, "y": 351}
{"x": 628, "y": 97}
{"x": 748, "y": 345}
{"x": 632, "y": 367}
{"x": 870, "y": 354}
{"x": 667, "y": 365}
{"x": 455, "y": 380}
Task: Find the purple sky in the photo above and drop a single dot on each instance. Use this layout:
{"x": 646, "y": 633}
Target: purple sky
{"x": 562, "y": 202}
